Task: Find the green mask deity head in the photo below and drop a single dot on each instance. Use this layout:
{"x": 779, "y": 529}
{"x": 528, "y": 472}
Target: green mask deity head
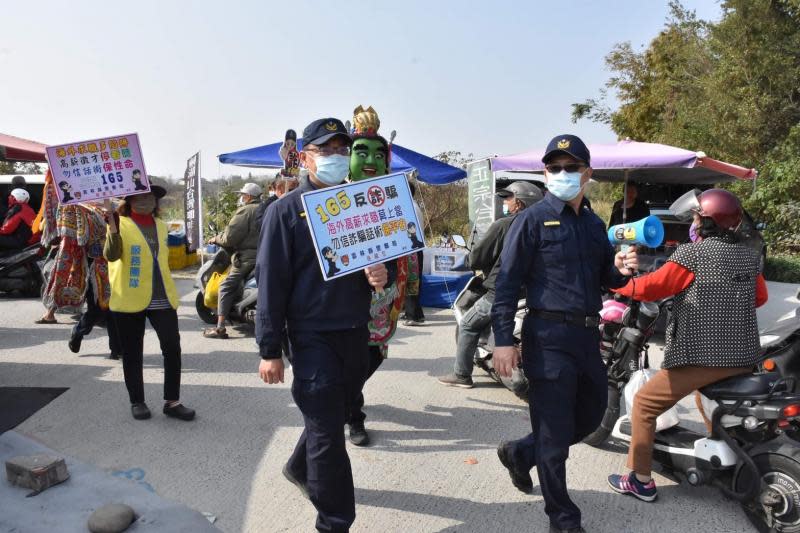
{"x": 369, "y": 158}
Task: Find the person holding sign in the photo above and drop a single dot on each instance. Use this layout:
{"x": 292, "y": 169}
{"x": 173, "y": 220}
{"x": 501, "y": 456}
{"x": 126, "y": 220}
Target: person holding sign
{"x": 142, "y": 288}
{"x": 370, "y": 157}
{"x": 326, "y": 322}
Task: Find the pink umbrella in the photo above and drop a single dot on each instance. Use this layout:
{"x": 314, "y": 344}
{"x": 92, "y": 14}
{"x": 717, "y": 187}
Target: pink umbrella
{"x": 639, "y": 162}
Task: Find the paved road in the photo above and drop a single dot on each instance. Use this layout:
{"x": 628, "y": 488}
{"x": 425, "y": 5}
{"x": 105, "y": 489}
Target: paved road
{"x": 418, "y": 475}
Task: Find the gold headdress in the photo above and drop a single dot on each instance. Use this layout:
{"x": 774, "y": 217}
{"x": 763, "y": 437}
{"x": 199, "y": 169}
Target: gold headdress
{"x": 365, "y": 122}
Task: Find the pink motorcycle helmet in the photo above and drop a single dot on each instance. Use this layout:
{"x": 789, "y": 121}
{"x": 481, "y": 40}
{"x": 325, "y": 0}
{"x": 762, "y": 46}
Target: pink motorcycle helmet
{"x": 613, "y": 311}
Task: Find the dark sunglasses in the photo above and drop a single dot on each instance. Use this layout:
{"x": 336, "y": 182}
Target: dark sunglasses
{"x": 569, "y": 167}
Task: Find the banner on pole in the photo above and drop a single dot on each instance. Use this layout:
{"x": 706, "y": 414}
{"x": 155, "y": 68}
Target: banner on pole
{"x": 193, "y": 204}
{"x": 363, "y": 223}
{"x": 98, "y": 169}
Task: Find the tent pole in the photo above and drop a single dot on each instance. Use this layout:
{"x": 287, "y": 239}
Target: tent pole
{"x": 625, "y": 198}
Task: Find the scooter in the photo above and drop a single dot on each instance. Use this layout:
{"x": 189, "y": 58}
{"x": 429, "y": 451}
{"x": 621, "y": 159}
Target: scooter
{"x": 21, "y": 271}
{"x": 244, "y": 307}
{"x": 517, "y": 383}
{"x": 744, "y": 456}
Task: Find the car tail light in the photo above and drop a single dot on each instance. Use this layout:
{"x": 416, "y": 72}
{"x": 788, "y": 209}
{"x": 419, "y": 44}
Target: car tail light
{"x": 769, "y": 365}
{"x": 791, "y": 411}
{"x": 783, "y": 423}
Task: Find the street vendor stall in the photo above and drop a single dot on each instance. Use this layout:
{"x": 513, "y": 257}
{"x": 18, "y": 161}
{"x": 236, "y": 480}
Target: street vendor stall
{"x": 625, "y": 161}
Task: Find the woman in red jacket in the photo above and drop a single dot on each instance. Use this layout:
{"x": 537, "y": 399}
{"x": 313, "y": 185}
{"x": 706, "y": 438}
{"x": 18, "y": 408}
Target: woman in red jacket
{"x": 712, "y": 333}
{"x": 16, "y": 229}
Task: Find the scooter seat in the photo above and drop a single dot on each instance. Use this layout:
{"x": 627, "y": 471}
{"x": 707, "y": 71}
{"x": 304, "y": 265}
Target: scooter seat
{"x": 741, "y": 386}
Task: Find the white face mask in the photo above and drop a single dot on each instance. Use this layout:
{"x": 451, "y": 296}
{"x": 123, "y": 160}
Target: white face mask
{"x": 271, "y": 194}
{"x": 332, "y": 169}
{"x": 565, "y": 185}
{"x": 241, "y": 201}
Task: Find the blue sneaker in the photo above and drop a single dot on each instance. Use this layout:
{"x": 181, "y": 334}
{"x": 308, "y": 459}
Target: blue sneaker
{"x": 630, "y": 485}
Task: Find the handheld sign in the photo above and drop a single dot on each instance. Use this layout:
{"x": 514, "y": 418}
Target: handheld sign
{"x": 363, "y": 223}
{"x": 98, "y": 169}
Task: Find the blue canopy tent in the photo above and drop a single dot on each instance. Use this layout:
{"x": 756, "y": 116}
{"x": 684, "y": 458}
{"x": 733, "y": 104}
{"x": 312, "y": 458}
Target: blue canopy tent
{"x": 436, "y": 292}
{"x": 403, "y": 160}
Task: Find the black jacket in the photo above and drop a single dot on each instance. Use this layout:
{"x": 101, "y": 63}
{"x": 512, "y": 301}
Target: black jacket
{"x": 291, "y": 290}
{"x": 485, "y": 256}
{"x": 636, "y": 212}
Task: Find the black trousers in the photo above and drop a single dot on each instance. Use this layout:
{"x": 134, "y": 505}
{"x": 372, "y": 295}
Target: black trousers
{"x": 568, "y": 398}
{"x": 329, "y": 370}
{"x": 130, "y": 330}
{"x": 356, "y": 412}
{"x": 90, "y": 318}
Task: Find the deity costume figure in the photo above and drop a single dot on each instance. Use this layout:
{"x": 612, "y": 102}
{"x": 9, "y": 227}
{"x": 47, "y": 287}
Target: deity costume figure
{"x": 370, "y": 157}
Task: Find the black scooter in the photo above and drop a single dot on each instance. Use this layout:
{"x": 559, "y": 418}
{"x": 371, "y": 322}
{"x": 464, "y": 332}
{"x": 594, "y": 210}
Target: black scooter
{"x": 745, "y": 456}
{"x": 244, "y": 307}
{"x": 20, "y": 271}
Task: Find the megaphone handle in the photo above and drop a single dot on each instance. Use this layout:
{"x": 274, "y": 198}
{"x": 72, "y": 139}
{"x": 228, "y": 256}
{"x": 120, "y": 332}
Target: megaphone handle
{"x": 624, "y": 249}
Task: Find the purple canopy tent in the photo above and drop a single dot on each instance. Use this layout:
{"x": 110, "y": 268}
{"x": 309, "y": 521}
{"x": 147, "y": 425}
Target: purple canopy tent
{"x": 625, "y": 161}
{"x": 638, "y": 162}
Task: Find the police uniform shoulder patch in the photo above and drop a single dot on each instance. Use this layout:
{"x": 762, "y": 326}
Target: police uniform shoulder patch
{"x": 552, "y": 223}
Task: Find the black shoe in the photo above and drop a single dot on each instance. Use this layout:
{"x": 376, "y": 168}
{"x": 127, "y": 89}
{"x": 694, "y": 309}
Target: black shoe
{"x": 75, "y": 342}
{"x": 114, "y": 356}
{"x": 179, "y": 411}
{"x": 296, "y": 482}
{"x": 358, "y": 434}
{"x": 554, "y": 529}
{"x": 520, "y": 478}
{"x": 140, "y": 411}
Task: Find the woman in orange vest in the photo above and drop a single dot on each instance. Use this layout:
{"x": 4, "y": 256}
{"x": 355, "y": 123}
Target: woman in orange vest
{"x": 142, "y": 288}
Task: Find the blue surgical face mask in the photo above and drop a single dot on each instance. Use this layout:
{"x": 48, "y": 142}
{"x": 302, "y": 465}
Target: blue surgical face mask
{"x": 565, "y": 185}
{"x": 332, "y": 169}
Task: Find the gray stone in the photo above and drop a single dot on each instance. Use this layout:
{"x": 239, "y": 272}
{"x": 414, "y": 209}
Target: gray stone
{"x": 37, "y": 472}
{"x": 111, "y": 518}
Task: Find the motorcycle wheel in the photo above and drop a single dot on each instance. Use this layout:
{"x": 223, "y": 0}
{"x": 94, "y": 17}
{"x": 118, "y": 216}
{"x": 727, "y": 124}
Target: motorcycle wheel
{"x": 600, "y": 435}
{"x": 206, "y": 315}
{"x": 780, "y": 482}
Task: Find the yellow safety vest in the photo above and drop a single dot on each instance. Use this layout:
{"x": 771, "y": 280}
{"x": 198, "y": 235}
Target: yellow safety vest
{"x": 131, "y": 276}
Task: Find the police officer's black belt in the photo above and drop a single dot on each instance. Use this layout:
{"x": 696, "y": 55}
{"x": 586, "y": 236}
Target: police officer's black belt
{"x": 556, "y": 316}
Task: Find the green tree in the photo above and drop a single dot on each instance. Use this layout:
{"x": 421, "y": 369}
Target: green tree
{"x": 446, "y": 207}
{"x": 730, "y": 89}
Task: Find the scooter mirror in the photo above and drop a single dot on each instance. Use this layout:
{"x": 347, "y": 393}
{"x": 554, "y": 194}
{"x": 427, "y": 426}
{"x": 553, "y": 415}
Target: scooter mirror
{"x": 459, "y": 241}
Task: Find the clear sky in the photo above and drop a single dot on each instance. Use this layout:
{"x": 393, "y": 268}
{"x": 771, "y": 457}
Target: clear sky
{"x": 475, "y": 76}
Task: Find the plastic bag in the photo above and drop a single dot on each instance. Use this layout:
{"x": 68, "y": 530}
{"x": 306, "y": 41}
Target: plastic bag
{"x": 211, "y": 294}
{"x": 665, "y": 420}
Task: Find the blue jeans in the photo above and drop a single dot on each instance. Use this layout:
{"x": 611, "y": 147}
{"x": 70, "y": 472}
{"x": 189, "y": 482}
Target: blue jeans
{"x": 469, "y": 332}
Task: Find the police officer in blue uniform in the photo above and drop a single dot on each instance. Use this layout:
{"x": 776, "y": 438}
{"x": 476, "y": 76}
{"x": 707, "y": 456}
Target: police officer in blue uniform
{"x": 326, "y": 323}
{"x": 559, "y": 251}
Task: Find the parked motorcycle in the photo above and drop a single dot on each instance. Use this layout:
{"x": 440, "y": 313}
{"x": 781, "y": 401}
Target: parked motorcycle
{"x": 20, "y": 271}
{"x": 244, "y": 307}
{"x": 744, "y": 457}
{"x": 517, "y": 383}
